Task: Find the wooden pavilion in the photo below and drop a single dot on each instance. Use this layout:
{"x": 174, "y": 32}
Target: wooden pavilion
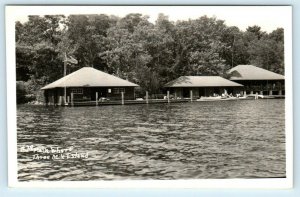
{"x": 197, "y": 86}
{"x": 258, "y": 80}
{"x": 88, "y": 84}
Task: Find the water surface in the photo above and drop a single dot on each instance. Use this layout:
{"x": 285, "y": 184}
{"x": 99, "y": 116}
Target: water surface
{"x": 226, "y": 139}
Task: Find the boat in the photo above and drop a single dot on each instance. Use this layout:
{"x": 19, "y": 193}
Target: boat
{"x": 256, "y": 96}
{"x": 220, "y": 98}
{"x": 209, "y": 98}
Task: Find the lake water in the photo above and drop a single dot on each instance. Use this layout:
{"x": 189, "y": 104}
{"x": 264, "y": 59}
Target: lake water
{"x": 199, "y": 140}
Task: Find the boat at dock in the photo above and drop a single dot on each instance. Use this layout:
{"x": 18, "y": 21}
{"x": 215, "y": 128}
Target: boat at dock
{"x": 248, "y": 97}
{"x": 209, "y": 98}
{"x": 220, "y": 98}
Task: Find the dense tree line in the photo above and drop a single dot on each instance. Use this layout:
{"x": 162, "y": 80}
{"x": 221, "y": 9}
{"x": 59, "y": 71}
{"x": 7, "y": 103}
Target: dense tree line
{"x": 135, "y": 49}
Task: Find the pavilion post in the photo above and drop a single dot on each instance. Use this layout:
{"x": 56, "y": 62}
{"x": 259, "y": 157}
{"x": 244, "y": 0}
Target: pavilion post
{"x": 96, "y": 98}
{"x": 147, "y": 100}
{"x": 191, "y": 94}
{"x": 53, "y": 101}
{"x": 175, "y": 95}
{"x": 122, "y": 95}
{"x": 59, "y": 100}
{"x": 46, "y": 99}
{"x": 72, "y": 98}
{"x": 168, "y": 96}
{"x": 270, "y": 92}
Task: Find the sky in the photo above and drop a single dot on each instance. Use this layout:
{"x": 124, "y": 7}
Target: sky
{"x": 268, "y": 18}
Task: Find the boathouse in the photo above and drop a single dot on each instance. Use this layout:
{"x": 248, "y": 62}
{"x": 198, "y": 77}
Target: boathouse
{"x": 88, "y": 84}
{"x": 197, "y": 86}
{"x": 258, "y": 80}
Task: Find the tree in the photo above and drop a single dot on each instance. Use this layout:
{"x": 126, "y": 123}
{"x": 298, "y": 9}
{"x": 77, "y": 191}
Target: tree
{"x": 87, "y": 33}
{"x": 135, "y": 49}
{"x": 256, "y": 31}
{"x": 37, "y": 52}
{"x": 235, "y": 51}
{"x": 268, "y": 54}
{"x": 277, "y": 35}
{"x": 200, "y": 46}
{"x": 130, "y": 21}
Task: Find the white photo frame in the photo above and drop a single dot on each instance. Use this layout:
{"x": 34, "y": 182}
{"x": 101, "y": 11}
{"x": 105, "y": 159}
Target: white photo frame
{"x": 13, "y": 13}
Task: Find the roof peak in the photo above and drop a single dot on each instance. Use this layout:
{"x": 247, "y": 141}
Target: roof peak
{"x": 89, "y": 76}
{"x": 251, "y": 72}
{"x": 202, "y": 81}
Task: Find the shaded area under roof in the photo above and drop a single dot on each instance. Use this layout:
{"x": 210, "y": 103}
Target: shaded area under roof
{"x": 250, "y": 72}
{"x": 202, "y": 81}
{"x": 89, "y": 77}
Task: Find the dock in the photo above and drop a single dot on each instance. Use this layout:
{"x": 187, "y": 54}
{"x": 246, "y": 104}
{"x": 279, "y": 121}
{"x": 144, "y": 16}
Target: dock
{"x": 127, "y": 102}
{"x": 158, "y": 101}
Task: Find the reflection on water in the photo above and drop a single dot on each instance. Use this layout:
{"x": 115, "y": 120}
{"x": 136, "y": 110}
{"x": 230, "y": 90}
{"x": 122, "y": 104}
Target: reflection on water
{"x": 227, "y": 139}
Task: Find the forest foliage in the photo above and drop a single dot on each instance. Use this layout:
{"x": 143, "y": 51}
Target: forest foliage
{"x": 131, "y": 47}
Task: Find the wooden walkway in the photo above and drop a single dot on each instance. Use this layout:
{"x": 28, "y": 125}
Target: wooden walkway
{"x": 127, "y": 102}
{"x": 152, "y": 101}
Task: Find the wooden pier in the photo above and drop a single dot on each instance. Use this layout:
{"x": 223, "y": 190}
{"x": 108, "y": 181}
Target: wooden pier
{"x": 127, "y": 102}
{"x": 147, "y": 100}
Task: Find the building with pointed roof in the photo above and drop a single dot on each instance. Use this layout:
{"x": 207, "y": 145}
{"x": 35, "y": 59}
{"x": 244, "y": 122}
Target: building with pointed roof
{"x": 88, "y": 84}
{"x": 199, "y": 86}
{"x": 258, "y": 80}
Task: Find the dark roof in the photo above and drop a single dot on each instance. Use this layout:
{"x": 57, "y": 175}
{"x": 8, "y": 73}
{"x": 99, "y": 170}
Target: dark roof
{"x": 250, "y": 72}
{"x": 89, "y": 77}
{"x": 201, "y": 81}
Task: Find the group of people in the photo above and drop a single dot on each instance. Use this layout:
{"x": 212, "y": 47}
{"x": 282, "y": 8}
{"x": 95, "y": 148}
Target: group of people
{"x": 226, "y": 95}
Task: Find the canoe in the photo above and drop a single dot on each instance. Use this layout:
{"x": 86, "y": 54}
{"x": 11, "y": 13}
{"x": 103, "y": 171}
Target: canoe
{"x": 203, "y": 98}
{"x": 219, "y": 98}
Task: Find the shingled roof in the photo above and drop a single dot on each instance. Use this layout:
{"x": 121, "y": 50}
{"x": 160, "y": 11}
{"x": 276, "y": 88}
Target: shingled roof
{"x": 89, "y": 77}
{"x": 250, "y": 72}
{"x": 201, "y": 81}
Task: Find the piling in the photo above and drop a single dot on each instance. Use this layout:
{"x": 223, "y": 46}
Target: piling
{"x": 96, "y": 98}
{"x": 270, "y": 92}
{"x": 168, "y": 96}
{"x": 122, "y": 95}
{"x": 72, "y": 98}
{"x": 191, "y": 94}
{"x": 60, "y": 102}
{"x": 53, "y": 101}
{"x": 147, "y": 101}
